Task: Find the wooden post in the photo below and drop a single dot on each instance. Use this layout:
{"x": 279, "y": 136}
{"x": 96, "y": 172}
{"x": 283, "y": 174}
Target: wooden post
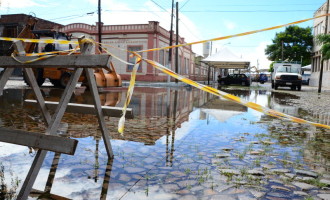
{"x": 106, "y": 179}
{"x": 40, "y": 141}
{"x": 4, "y": 78}
{"x": 79, "y": 62}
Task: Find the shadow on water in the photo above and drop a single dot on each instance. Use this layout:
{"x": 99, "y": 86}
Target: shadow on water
{"x": 181, "y": 142}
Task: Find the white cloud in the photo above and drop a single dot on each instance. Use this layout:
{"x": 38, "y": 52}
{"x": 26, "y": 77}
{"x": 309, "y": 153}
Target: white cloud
{"x": 123, "y": 14}
{"x": 229, "y": 25}
{"x": 5, "y": 4}
{"x": 257, "y": 55}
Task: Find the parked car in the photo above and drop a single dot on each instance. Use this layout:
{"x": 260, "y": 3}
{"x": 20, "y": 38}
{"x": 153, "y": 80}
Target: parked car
{"x": 235, "y": 79}
{"x": 263, "y": 78}
{"x": 306, "y": 75}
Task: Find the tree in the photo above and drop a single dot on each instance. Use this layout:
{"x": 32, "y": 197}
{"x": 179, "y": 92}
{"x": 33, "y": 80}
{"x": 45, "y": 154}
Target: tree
{"x": 295, "y": 44}
{"x": 324, "y": 40}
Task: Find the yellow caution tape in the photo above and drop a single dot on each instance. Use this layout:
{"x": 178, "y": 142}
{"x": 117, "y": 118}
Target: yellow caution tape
{"x": 33, "y": 60}
{"x": 52, "y": 52}
{"x": 168, "y": 47}
{"x": 130, "y": 90}
{"x": 211, "y": 90}
{"x": 235, "y": 35}
{"x": 236, "y": 99}
{"x": 48, "y": 41}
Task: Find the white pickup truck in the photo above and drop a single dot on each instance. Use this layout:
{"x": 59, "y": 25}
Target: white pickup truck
{"x": 287, "y": 75}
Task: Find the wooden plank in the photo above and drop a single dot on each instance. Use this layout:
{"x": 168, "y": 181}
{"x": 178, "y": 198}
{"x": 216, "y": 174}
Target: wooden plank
{"x": 86, "y": 109}
{"x": 86, "y": 49}
{"x": 52, "y": 172}
{"x": 4, "y": 78}
{"x": 32, "y": 174}
{"x": 59, "y": 112}
{"x": 52, "y": 127}
{"x": 99, "y": 113}
{"x": 106, "y": 180}
{"x": 38, "y": 140}
{"x": 37, "y": 193}
{"x": 38, "y": 94}
{"x": 63, "y": 61}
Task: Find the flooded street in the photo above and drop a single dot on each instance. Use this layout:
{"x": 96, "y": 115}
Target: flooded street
{"x": 181, "y": 144}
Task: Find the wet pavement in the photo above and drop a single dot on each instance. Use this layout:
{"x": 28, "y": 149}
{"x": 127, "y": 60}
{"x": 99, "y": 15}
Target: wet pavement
{"x": 182, "y": 144}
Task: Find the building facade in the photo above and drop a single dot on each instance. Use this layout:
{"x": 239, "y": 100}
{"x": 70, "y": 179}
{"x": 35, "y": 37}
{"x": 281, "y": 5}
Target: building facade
{"x": 118, "y": 39}
{"x": 12, "y": 25}
{"x": 320, "y": 27}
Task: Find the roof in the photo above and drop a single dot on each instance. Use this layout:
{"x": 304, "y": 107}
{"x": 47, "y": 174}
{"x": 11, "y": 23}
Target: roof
{"x": 225, "y": 59}
{"x": 307, "y": 67}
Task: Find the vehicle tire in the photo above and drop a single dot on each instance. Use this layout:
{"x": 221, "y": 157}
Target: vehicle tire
{"x": 299, "y": 88}
{"x": 275, "y": 86}
{"x": 64, "y": 80}
{"x": 308, "y": 82}
{"x": 262, "y": 82}
{"x": 38, "y": 73}
{"x": 293, "y": 87}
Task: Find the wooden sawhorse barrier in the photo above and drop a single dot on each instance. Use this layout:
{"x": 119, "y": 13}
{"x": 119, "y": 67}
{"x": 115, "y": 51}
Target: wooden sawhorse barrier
{"x": 84, "y": 61}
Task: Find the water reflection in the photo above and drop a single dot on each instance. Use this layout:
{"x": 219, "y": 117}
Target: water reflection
{"x": 168, "y": 151}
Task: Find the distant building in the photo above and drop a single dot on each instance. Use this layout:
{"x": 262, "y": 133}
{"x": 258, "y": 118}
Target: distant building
{"x": 137, "y": 37}
{"x": 12, "y": 25}
{"x": 119, "y": 38}
{"x": 319, "y": 28}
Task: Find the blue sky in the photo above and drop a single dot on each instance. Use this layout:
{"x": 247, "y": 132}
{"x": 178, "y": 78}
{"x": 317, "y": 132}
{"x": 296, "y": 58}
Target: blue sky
{"x": 199, "y": 20}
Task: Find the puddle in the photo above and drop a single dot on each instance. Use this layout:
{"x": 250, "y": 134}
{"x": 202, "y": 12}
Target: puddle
{"x": 182, "y": 143}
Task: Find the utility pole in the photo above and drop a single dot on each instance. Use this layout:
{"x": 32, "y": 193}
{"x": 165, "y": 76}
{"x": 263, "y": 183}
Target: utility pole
{"x": 326, "y": 32}
{"x": 171, "y": 43}
{"x": 100, "y": 27}
{"x": 177, "y": 41}
{"x": 282, "y": 52}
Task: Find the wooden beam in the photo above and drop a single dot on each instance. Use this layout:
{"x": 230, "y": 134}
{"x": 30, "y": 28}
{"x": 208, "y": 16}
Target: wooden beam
{"x": 87, "y": 109}
{"x": 4, "y": 78}
{"x": 38, "y": 194}
{"x": 63, "y": 61}
{"x": 99, "y": 113}
{"x": 34, "y": 85}
{"x": 38, "y": 140}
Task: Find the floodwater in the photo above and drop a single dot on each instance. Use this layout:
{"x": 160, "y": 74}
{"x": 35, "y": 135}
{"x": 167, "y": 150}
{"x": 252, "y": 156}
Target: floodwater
{"x": 182, "y": 144}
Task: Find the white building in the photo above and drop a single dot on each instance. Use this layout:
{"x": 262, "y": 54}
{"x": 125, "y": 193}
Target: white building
{"x": 320, "y": 28}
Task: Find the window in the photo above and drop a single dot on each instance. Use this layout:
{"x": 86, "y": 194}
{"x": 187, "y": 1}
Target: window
{"x": 132, "y": 59}
{"x": 161, "y": 57}
{"x": 185, "y": 66}
{"x": 166, "y": 58}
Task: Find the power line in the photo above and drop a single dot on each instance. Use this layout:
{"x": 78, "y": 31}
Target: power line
{"x": 184, "y": 4}
{"x": 254, "y": 5}
{"x": 72, "y": 16}
{"x": 246, "y": 11}
{"x": 160, "y": 6}
{"x": 215, "y": 11}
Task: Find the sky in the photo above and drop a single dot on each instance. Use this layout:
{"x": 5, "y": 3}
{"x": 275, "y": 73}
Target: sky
{"x": 198, "y": 20}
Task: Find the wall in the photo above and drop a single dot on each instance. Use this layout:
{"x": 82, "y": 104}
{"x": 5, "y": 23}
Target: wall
{"x": 119, "y": 38}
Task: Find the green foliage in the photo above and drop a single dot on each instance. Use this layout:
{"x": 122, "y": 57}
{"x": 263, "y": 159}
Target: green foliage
{"x": 297, "y": 45}
{"x": 271, "y": 67}
{"x": 324, "y": 40}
